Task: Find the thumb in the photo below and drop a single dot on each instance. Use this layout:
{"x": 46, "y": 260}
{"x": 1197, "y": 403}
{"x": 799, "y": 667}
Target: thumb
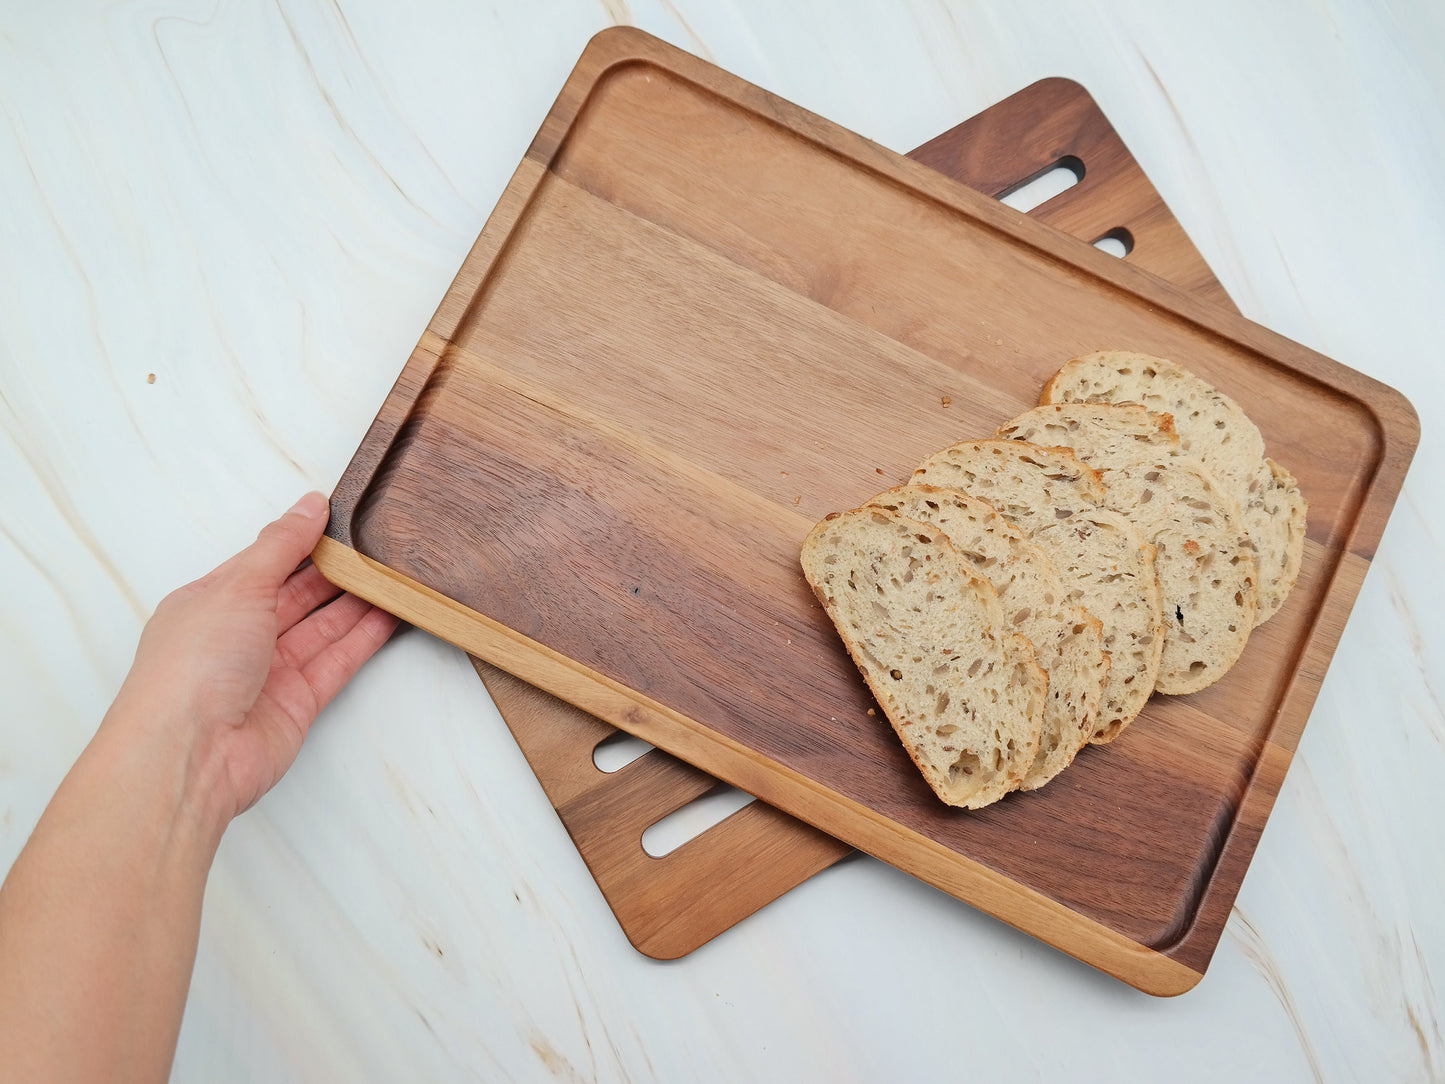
{"x": 285, "y": 543}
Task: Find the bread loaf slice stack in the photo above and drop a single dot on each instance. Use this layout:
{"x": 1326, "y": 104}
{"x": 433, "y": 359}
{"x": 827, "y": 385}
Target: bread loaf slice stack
{"x": 1215, "y": 430}
{"x": 1206, "y": 571}
{"x": 1067, "y": 641}
{"x": 1206, "y": 566}
{"x": 1109, "y": 569}
{"x": 1028, "y": 485}
{"x": 1105, "y": 436}
{"x": 1105, "y": 564}
{"x": 961, "y": 690}
{"x": 1025, "y": 595}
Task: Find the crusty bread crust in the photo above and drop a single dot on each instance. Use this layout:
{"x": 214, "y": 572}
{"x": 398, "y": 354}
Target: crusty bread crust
{"x": 963, "y": 693}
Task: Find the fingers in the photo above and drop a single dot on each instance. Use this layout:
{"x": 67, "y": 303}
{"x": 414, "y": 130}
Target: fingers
{"x": 313, "y": 661}
{"x": 329, "y": 671}
{"x": 308, "y": 638}
{"x": 284, "y": 544}
{"x": 303, "y": 591}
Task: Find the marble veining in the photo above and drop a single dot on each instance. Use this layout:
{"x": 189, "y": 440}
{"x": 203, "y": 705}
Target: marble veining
{"x": 261, "y": 204}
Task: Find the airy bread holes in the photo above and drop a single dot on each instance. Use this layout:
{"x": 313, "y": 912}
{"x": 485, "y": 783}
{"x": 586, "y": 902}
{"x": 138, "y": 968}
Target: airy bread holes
{"x": 966, "y": 764}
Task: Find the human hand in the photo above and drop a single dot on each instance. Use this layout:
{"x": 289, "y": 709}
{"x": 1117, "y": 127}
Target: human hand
{"x": 237, "y": 665}
{"x": 100, "y": 914}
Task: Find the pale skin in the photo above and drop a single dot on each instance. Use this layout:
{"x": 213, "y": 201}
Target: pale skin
{"x": 100, "y": 915}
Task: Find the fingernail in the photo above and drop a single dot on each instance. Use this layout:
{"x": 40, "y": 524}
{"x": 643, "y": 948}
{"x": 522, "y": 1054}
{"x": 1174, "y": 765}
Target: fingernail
{"x": 310, "y": 506}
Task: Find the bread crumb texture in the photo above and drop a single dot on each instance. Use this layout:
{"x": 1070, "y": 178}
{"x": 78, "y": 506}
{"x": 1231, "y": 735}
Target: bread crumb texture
{"x": 1024, "y": 595}
{"x": 963, "y": 693}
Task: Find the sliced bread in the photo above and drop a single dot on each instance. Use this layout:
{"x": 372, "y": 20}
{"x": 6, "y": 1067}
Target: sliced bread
{"x": 1214, "y": 429}
{"x": 963, "y": 693}
{"x": 1103, "y": 435}
{"x": 1027, "y": 484}
{"x": 1100, "y": 557}
{"x": 1106, "y": 567}
{"x": 1126, "y": 443}
{"x": 1279, "y": 553}
{"x": 1206, "y": 569}
{"x": 1067, "y": 640}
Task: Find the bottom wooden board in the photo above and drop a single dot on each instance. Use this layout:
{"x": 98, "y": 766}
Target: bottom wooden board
{"x": 669, "y": 905}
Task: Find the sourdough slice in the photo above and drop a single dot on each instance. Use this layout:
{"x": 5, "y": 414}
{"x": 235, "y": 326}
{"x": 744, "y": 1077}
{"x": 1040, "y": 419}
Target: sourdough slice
{"x": 1206, "y": 568}
{"x": 1103, "y": 435}
{"x": 963, "y": 693}
{"x": 1276, "y": 501}
{"x": 1124, "y": 442}
{"x": 1099, "y": 557}
{"x": 1215, "y": 430}
{"x": 1106, "y": 567}
{"x": 1067, "y": 640}
{"x": 1026, "y": 484}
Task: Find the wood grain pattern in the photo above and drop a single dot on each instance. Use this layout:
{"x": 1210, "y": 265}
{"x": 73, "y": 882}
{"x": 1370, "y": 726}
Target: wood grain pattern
{"x": 667, "y": 906}
{"x": 701, "y": 318}
{"x": 670, "y": 905}
{"x": 1055, "y": 121}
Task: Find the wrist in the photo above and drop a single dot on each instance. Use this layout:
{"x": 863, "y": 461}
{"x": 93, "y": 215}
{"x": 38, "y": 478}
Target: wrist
{"x": 165, "y": 758}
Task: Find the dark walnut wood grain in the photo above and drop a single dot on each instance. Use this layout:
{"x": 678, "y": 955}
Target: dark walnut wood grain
{"x": 1054, "y": 122}
{"x": 699, "y": 319}
{"x": 669, "y": 905}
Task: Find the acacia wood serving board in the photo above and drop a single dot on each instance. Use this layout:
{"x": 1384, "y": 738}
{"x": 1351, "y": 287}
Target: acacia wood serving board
{"x": 699, "y": 319}
{"x": 669, "y": 905}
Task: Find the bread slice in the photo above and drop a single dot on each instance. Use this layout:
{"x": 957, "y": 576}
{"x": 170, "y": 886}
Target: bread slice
{"x": 1124, "y": 443}
{"x": 1274, "y": 501}
{"x": 1214, "y": 429}
{"x": 1100, "y": 557}
{"x": 1206, "y": 568}
{"x": 963, "y": 693}
{"x": 1103, "y": 435}
{"x": 1106, "y": 567}
{"x": 1028, "y": 485}
{"x": 1067, "y": 640}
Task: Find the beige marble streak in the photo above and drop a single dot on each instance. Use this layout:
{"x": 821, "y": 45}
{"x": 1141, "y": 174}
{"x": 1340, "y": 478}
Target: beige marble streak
{"x": 1243, "y": 934}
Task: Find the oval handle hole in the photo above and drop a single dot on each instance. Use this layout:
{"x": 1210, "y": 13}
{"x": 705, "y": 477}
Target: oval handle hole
{"x": 1044, "y": 185}
{"x": 693, "y": 819}
{"x": 617, "y": 751}
{"x": 1117, "y": 242}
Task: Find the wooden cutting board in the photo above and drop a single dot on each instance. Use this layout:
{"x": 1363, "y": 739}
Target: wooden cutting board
{"x": 699, "y": 319}
{"x": 669, "y": 905}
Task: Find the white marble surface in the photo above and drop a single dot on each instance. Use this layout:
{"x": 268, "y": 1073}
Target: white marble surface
{"x": 261, "y": 203}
